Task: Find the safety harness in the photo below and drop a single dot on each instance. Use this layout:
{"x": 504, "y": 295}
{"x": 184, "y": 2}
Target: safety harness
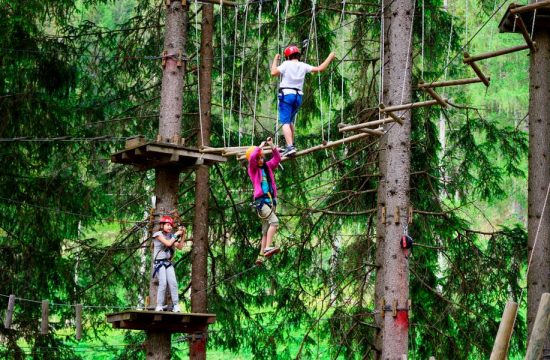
{"x": 166, "y": 262}
{"x": 266, "y": 198}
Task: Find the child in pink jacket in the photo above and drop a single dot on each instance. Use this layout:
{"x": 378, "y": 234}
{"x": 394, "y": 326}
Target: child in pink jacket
{"x": 265, "y": 194}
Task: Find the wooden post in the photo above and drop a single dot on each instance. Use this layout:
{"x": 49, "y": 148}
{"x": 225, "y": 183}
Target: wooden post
{"x": 199, "y": 256}
{"x": 9, "y": 312}
{"x": 500, "y": 348}
{"x": 45, "y": 313}
{"x": 540, "y": 329}
{"x": 78, "y": 320}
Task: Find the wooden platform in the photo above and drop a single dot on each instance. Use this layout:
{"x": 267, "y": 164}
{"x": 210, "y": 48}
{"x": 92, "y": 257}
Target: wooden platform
{"x": 149, "y": 155}
{"x": 161, "y": 321}
{"x": 542, "y": 20}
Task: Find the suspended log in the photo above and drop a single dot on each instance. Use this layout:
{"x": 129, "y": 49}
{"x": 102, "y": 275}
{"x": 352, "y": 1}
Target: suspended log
{"x": 415, "y": 105}
{"x": 500, "y": 348}
{"x": 9, "y": 312}
{"x": 516, "y": 9}
{"x": 45, "y": 313}
{"x": 449, "y": 83}
{"x": 213, "y": 150}
{"x": 78, "y": 320}
{"x": 328, "y": 145}
{"x": 540, "y": 329}
{"x": 346, "y": 127}
{"x": 377, "y": 132}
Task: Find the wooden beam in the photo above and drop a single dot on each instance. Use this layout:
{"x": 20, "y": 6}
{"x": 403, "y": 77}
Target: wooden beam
{"x": 469, "y": 59}
{"x": 540, "y": 329}
{"x": 449, "y": 83}
{"x": 9, "y": 312}
{"x": 219, "y": 2}
{"x": 345, "y": 127}
{"x": 525, "y": 33}
{"x": 408, "y": 106}
{"x": 516, "y": 9}
{"x": 45, "y": 312}
{"x": 78, "y": 320}
{"x": 477, "y": 70}
{"x": 500, "y": 348}
{"x": 435, "y": 96}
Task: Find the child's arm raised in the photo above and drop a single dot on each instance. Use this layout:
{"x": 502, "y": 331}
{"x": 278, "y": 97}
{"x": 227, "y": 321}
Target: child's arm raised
{"x": 180, "y": 237}
{"x": 274, "y": 66}
{"x": 165, "y": 241}
{"x": 325, "y": 63}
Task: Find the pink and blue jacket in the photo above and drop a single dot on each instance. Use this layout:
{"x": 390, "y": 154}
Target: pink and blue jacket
{"x": 255, "y": 172}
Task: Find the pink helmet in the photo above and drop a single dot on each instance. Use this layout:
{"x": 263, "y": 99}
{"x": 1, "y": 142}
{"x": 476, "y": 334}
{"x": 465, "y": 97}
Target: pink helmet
{"x": 166, "y": 219}
{"x": 291, "y": 50}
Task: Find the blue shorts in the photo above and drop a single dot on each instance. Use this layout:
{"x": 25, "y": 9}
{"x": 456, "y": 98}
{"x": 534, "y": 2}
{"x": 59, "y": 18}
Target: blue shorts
{"x": 288, "y": 107}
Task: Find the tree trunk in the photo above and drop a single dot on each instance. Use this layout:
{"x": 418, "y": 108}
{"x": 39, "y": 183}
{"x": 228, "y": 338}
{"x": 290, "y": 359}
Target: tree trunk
{"x": 158, "y": 344}
{"x": 395, "y": 184}
{"x": 538, "y": 278}
{"x": 199, "y": 276}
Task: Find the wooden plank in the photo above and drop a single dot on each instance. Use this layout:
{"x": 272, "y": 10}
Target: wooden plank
{"x": 449, "y": 83}
{"x": 500, "y": 347}
{"x": 516, "y": 9}
{"x": 134, "y": 142}
{"x": 78, "y": 320}
{"x": 409, "y": 106}
{"x": 492, "y": 54}
{"x": 184, "y": 152}
{"x": 219, "y": 2}
{"x": 540, "y": 329}
{"x": 45, "y": 312}
{"x": 9, "y": 312}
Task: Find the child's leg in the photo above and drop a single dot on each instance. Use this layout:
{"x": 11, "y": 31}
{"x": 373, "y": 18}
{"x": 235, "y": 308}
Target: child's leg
{"x": 285, "y": 117}
{"x": 288, "y": 133}
{"x": 172, "y": 285}
{"x": 273, "y": 223}
{"x": 262, "y": 246}
{"x": 161, "y": 291}
{"x": 270, "y": 235}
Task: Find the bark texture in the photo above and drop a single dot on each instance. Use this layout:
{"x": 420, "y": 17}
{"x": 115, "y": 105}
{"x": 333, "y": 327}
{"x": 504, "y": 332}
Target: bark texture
{"x": 158, "y": 344}
{"x": 199, "y": 277}
{"x": 538, "y": 279}
{"x": 394, "y": 185}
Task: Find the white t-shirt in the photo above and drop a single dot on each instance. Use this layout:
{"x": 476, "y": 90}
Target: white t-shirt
{"x": 293, "y": 74}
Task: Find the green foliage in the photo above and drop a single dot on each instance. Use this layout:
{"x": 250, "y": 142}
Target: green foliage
{"x": 71, "y": 228}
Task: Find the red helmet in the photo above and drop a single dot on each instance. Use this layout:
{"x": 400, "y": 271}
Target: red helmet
{"x": 166, "y": 219}
{"x": 291, "y": 50}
